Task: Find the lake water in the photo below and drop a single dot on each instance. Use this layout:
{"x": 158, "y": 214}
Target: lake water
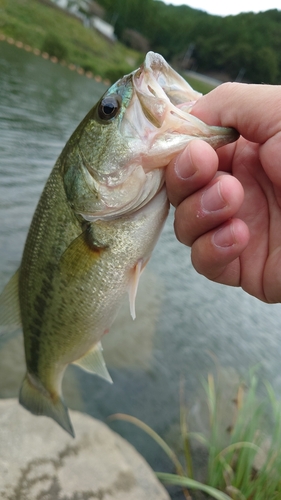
{"x": 185, "y": 325}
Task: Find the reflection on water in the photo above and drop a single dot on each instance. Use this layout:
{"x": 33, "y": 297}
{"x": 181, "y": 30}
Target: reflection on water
{"x": 181, "y": 317}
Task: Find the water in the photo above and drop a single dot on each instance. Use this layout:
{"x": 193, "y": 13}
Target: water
{"x": 185, "y": 325}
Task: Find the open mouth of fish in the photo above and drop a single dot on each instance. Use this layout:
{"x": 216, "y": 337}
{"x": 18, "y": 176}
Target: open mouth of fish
{"x": 162, "y": 103}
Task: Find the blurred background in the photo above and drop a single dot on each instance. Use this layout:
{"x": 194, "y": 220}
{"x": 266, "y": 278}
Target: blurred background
{"x": 56, "y": 60}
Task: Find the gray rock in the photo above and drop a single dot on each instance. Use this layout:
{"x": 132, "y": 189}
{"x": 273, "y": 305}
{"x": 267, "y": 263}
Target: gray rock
{"x": 39, "y": 461}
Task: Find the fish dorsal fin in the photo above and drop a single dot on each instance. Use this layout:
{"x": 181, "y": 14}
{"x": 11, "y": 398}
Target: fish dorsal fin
{"x": 10, "y": 318}
{"x": 93, "y": 362}
{"x": 134, "y": 283}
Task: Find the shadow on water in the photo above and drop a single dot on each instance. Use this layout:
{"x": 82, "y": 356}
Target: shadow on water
{"x": 181, "y": 318}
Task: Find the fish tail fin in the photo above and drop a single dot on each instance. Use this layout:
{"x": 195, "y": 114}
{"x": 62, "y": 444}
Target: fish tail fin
{"x": 35, "y": 398}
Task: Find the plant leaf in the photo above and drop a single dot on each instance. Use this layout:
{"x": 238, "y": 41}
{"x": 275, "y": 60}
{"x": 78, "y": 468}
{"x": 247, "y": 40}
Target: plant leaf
{"x": 192, "y": 484}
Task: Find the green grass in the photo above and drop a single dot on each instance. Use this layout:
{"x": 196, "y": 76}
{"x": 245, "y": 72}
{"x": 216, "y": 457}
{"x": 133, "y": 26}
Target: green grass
{"x": 35, "y": 23}
{"x": 198, "y": 85}
{"x": 248, "y": 466}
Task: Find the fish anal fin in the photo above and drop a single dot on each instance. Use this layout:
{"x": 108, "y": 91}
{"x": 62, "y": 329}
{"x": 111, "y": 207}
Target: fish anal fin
{"x": 10, "y": 318}
{"x": 93, "y": 362}
{"x": 35, "y": 398}
{"x": 134, "y": 283}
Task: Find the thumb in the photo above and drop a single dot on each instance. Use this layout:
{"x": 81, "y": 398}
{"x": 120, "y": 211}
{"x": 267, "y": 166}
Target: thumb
{"x": 254, "y": 110}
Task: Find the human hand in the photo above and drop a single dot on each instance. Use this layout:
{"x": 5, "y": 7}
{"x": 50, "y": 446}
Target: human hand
{"x": 228, "y": 203}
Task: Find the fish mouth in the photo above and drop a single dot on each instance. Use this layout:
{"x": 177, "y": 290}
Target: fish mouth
{"x": 159, "y": 114}
{"x": 155, "y": 81}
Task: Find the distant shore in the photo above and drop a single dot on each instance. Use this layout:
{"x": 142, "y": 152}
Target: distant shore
{"x": 53, "y": 59}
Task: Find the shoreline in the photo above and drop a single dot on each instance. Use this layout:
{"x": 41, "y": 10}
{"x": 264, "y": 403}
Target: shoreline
{"x": 53, "y": 59}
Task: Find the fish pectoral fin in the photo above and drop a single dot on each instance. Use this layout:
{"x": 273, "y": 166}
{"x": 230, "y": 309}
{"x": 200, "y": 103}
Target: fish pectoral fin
{"x": 35, "y": 398}
{"x": 134, "y": 283}
{"x": 10, "y": 318}
{"x": 93, "y": 362}
{"x": 81, "y": 254}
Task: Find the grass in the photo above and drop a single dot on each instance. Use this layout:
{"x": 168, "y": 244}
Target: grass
{"x": 198, "y": 85}
{"x": 37, "y": 24}
{"x": 248, "y": 466}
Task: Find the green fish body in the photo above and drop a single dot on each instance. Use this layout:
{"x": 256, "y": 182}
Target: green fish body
{"x": 95, "y": 227}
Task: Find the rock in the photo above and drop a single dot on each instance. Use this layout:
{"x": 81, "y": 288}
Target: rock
{"x": 38, "y": 460}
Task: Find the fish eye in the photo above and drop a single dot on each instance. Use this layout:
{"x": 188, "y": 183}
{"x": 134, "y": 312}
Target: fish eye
{"x": 109, "y": 107}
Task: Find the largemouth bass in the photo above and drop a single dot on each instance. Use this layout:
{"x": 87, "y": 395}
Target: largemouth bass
{"x": 95, "y": 226}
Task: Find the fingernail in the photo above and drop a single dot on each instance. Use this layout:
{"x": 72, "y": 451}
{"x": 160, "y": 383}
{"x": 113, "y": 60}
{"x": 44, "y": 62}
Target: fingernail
{"x": 212, "y": 199}
{"x": 224, "y": 237}
{"x": 184, "y": 166}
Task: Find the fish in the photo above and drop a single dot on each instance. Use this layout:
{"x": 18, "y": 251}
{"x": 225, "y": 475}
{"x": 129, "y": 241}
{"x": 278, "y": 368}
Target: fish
{"x": 95, "y": 226}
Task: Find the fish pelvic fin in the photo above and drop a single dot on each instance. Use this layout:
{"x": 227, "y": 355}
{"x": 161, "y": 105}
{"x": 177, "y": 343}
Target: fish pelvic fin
{"x": 35, "y": 398}
{"x": 10, "y": 318}
{"x": 134, "y": 283}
